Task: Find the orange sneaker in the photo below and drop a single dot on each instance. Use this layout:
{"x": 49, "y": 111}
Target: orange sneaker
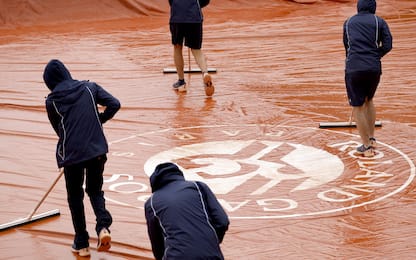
{"x": 209, "y": 87}
{"x": 104, "y": 240}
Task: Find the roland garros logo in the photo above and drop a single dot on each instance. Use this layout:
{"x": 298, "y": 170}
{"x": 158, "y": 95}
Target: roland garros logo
{"x": 262, "y": 171}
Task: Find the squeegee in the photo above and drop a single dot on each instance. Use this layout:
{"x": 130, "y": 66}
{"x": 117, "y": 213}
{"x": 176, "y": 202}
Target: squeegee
{"x": 343, "y": 124}
{"x": 32, "y": 217}
{"x": 349, "y": 123}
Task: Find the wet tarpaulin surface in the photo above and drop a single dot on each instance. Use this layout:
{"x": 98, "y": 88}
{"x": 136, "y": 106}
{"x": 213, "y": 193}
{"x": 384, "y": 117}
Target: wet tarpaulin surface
{"x": 292, "y": 190}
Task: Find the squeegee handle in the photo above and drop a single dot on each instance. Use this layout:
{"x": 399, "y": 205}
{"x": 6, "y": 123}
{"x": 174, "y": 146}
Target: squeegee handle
{"x": 61, "y": 172}
{"x": 189, "y": 59}
{"x": 351, "y": 117}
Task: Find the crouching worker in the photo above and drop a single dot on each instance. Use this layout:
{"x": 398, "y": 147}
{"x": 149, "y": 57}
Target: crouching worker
{"x": 184, "y": 218}
{"x": 82, "y": 147}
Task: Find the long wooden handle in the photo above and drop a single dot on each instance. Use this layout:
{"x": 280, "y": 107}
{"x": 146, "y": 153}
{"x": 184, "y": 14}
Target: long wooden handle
{"x": 351, "y": 116}
{"x": 189, "y": 59}
{"x": 61, "y": 172}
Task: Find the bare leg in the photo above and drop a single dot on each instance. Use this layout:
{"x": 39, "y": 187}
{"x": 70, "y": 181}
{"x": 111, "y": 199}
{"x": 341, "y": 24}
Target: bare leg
{"x": 206, "y": 78}
{"x": 178, "y": 59}
{"x": 371, "y": 115}
{"x": 200, "y": 59}
{"x": 362, "y": 119}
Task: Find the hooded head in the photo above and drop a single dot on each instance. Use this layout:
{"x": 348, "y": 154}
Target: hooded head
{"x": 55, "y": 72}
{"x": 367, "y": 6}
{"x": 163, "y": 174}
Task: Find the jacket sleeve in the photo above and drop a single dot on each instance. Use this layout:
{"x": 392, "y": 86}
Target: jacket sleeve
{"x": 53, "y": 116}
{"x": 155, "y": 232}
{"x": 111, "y": 104}
{"x": 386, "y": 39}
{"x": 203, "y": 3}
{"x": 218, "y": 217}
{"x": 345, "y": 38}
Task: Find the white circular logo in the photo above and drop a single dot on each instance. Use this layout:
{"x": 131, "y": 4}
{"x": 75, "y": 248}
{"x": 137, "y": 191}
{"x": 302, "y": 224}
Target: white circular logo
{"x": 277, "y": 172}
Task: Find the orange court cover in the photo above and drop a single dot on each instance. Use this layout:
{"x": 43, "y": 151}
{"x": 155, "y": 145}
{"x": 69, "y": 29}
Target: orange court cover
{"x": 291, "y": 189}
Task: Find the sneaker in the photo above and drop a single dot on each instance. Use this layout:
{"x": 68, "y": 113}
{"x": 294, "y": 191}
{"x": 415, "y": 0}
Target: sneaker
{"x": 365, "y": 151}
{"x": 209, "y": 87}
{"x": 373, "y": 142}
{"x": 104, "y": 240}
{"x": 82, "y": 251}
{"x": 179, "y": 85}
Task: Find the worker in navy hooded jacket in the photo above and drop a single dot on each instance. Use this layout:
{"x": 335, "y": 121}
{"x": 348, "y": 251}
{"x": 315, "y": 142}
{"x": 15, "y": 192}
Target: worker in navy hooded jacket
{"x": 186, "y": 28}
{"x": 367, "y": 39}
{"x": 72, "y": 108}
{"x": 184, "y": 218}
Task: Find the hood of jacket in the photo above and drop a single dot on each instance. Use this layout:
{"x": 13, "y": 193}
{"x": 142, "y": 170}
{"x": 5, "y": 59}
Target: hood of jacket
{"x": 165, "y": 173}
{"x": 64, "y": 89}
{"x": 367, "y": 6}
{"x": 55, "y": 72}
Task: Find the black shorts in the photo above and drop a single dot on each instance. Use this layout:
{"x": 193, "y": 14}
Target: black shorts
{"x": 191, "y": 32}
{"x": 361, "y": 85}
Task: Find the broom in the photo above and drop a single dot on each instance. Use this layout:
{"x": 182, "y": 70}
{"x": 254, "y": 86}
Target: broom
{"x": 32, "y": 217}
{"x": 189, "y": 70}
{"x": 350, "y": 123}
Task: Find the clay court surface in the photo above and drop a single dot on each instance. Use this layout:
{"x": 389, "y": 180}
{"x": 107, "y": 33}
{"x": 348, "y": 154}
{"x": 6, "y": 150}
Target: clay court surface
{"x": 291, "y": 189}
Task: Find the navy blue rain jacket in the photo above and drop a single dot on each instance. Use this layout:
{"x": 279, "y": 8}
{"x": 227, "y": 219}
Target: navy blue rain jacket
{"x": 187, "y": 11}
{"x": 367, "y": 39}
{"x": 73, "y": 113}
{"x": 184, "y": 218}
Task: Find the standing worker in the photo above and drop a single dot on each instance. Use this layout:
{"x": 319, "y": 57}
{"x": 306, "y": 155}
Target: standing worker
{"x": 82, "y": 147}
{"x": 367, "y": 39}
{"x": 184, "y": 218}
{"x": 185, "y": 22}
